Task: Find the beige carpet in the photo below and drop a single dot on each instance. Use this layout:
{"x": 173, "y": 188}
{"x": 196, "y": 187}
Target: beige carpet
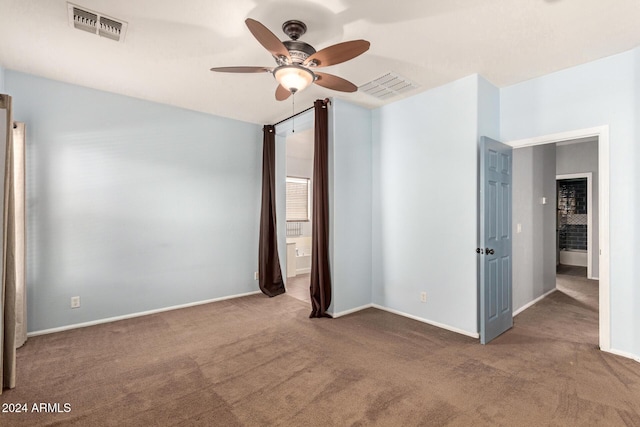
{"x": 257, "y": 361}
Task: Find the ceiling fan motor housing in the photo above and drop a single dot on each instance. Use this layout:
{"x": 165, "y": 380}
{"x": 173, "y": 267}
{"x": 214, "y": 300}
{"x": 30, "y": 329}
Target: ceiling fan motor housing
{"x": 299, "y": 51}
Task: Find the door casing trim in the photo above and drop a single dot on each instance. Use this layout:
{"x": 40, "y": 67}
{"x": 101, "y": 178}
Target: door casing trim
{"x": 602, "y": 133}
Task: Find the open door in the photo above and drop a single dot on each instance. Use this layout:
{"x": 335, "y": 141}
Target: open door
{"x": 496, "y": 309}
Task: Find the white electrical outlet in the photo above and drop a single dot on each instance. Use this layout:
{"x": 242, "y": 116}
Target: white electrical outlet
{"x": 75, "y": 302}
{"x": 255, "y": 275}
{"x": 423, "y": 297}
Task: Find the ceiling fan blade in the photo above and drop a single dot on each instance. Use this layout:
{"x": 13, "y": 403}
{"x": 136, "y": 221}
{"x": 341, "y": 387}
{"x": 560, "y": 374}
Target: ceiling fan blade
{"x": 282, "y": 93}
{"x": 267, "y": 38}
{"x": 334, "y": 82}
{"x": 338, "y": 53}
{"x": 242, "y": 70}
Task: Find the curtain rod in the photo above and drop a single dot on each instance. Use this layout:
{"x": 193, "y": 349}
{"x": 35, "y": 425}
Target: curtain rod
{"x": 295, "y": 115}
{"x": 326, "y": 101}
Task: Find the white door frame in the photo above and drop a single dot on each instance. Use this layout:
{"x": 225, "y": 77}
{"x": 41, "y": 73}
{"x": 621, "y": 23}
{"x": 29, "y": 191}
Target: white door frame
{"x": 589, "y": 176}
{"x": 602, "y": 132}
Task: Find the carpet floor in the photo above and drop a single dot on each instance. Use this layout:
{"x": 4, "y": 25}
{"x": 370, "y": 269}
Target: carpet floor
{"x": 258, "y": 361}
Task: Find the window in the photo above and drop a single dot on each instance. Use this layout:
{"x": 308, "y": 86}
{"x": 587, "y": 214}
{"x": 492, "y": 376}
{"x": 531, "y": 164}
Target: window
{"x": 298, "y": 199}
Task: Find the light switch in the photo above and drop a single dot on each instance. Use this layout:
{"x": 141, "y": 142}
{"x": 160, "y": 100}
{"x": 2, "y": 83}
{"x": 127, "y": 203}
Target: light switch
{"x": 518, "y": 228}
{"x": 544, "y": 200}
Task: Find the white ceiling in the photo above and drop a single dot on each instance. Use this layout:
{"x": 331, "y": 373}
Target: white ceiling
{"x": 171, "y": 45}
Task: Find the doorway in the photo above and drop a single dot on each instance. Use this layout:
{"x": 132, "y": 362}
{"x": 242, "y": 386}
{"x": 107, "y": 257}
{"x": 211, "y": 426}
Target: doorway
{"x": 574, "y": 221}
{"x": 601, "y": 134}
{"x": 298, "y": 190}
{"x": 287, "y": 132}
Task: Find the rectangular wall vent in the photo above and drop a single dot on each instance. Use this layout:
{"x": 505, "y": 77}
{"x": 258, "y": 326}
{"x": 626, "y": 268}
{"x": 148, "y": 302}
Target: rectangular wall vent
{"x": 96, "y": 23}
{"x": 388, "y": 86}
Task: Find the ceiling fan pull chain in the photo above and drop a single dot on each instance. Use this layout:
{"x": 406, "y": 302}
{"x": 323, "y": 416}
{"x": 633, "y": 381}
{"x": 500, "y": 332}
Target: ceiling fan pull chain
{"x": 293, "y": 113}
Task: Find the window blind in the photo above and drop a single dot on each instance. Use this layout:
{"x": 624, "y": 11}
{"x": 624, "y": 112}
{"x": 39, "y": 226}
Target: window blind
{"x": 298, "y": 199}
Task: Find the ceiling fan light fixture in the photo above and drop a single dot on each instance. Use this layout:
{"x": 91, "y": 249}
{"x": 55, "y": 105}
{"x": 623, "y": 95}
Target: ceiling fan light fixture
{"x": 294, "y": 77}
{"x": 294, "y": 57}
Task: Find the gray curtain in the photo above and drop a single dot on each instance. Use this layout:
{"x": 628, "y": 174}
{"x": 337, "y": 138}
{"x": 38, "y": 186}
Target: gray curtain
{"x": 19, "y": 234}
{"x": 13, "y": 246}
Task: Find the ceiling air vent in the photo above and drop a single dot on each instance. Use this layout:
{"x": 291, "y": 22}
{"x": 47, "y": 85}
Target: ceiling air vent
{"x": 388, "y": 86}
{"x": 96, "y": 23}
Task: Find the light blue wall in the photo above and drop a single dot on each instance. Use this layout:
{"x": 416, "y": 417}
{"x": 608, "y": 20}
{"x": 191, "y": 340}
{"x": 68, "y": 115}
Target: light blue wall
{"x": 425, "y": 204}
{"x": 350, "y": 206}
{"x": 132, "y": 205}
{"x": 488, "y": 109}
{"x": 2, "y": 80}
{"x": 603, "y": 92}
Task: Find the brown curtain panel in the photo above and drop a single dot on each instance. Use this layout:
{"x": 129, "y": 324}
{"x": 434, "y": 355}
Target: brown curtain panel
{"x": 269, "y": 273}
{"x": 320, "y": 286}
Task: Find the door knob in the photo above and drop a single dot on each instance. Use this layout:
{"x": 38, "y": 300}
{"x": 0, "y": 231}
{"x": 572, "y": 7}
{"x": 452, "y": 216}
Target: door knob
{"x": 489, "y": 251}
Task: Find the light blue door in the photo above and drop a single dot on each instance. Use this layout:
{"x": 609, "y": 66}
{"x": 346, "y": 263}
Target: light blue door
{"x": 496, "y": 314}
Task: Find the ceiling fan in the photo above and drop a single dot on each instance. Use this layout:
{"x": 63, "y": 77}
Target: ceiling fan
{"x": 296, "y": 60}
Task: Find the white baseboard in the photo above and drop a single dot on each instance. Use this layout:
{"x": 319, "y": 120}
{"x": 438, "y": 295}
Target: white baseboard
{"x": 303, "y": 270}
{"x": 540, "y": 298}
{"x": 430, "y": 322}
{"x": 623, "y": 354}
{"x": 353, "y": 310}
{"x": 132, "y": 315}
